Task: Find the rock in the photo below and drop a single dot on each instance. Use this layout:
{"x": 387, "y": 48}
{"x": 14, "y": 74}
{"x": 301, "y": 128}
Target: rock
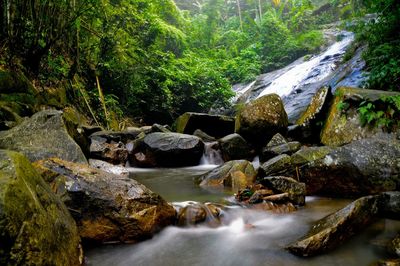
{"x": 117, "y": 136}
{"x": 276, "y": 166}
{"x": 394, "y": 246}
{"x": 259, "y": 195}
{"x": 42, "y": 136}
{"x": 109, "y": 168}
{"x": 275, "y": 207}
{"x": 343, "y": 124}
{"x": 278, "y": 198}
{"x": 195, "y": 213}
{"x": 331, "y": 231}
{"x": 309, "y": 125}
{"x": 234, "y": 147}
{"x": 74, "y": 122}
{"x": 213, "y": 125}
{"x": 363, "y": 167}
{"x": 204, "y": 136}
{"x": 261, "y": 119}
{"x": 277, "y": 140}
{"x": 281, "y": 184}
{"x": 106, "y": 207}
{"x": 287, "y": 148}
{"x": 235, "y": 174}
{"x": 309, "y": 154}
{"x": 159, "y": 128}
{"x": 391, "y": 205}
{"x": 173, "y": 149}
{"x": 390, "y": 262}
{"x": 115, "y": 153}
{"x": 36, "y": 227}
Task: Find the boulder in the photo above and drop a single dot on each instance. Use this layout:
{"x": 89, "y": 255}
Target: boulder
{"x": 394, "y": 246}
{"x": 117, "y": 136}
{"x": 261, "y": 119}
{"x": 363, "y": 167}
{"x": 390, "y": 206}
{"x": 309, "y": 125}
{"x": 105, "y": 206}
{"x": 234, "y": 147}
{"x": 343, "y": 124}
{"x": 36, "y": 227}
{"x": 159, "y": 128}
{"x": 235, "y": 174}
{"x": 173, "y": 149}
{"x": 44, "y": 135}
{"x": 213, "y": 125}
{"x": 331, "y": 231}
{"x": 309, "y": 154}
{"x": 277, "y": 146}
{"x": 276, "y": 166}
{"x": 115, "y": 153}
{"x": 204, "y": 136}
{"x": 282, "y": 184}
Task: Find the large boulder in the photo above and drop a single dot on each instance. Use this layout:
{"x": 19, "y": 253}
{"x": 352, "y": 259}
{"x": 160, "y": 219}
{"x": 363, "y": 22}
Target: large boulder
{"x": 279, "y": 165}
{"x": 214, "y": 125}
{"x": 261, "y": 119}
{"x": 343, "y": 124}
{"x": 35, "y": 226}
{"x": 234, "y": 147}
{"x": 42, "y": 136}
{"x": 233, "y": 174}
{"x": 105, "y": 206}
{"x": 331, "y": 231}
{"x": 363, "y": 167}
{"x": 172, "y": 149}
{"x": 112, "y": 152}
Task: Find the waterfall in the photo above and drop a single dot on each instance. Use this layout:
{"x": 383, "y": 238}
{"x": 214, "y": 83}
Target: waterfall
{"x": 212, "y": 155}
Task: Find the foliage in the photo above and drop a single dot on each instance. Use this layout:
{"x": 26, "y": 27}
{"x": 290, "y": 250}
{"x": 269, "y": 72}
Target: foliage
{"x": 385, "y": 112}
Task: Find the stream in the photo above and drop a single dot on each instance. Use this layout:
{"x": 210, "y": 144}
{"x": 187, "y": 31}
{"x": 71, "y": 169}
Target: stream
{"x": 234, "y": 243}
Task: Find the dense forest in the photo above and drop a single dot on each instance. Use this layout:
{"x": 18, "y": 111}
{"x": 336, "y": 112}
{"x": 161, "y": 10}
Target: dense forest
{"x": 153, "y": 60}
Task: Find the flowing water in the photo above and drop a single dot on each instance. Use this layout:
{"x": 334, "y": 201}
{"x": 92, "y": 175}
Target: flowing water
{"x": 236, "y": 243}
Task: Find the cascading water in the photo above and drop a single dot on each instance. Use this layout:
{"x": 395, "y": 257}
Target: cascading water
{"x": 212, "y": 155}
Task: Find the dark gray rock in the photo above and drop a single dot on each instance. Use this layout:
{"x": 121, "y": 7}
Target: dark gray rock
{"x": 273, "y": 151}
{"x": 204, "y": 136}
{"x": 331, "y": 231}
{"x": 279, "y": 165}
{"x": 44, "y": 135}
{"x": 234, "y": 147}
{"x": 282, "y": 184}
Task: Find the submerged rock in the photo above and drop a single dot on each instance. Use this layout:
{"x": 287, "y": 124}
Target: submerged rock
{"x": 234, "y": 147}
{"x": 214, "y": 125}
{"x": 261, "y": 119}
{"x": 343, "y": 124}
{"x": 173, "y": 149}
{"x": 196, "y": 213}
{"x": 363, "y": 167}
{"x": 235, "y": 174}
{"x": 107, "y": 207}
{"x": 35, "y": 226}
{"x": 43, "y": 136}
{"x": 331, "y": 231}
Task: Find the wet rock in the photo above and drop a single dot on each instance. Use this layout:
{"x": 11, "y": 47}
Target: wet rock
{"x": 259, "y": 195}
{"x": 204, "y": 136}
{"x": 394, "y": 246}
{"x": 277, "y": 140}
{"x": 173, "y": 149}
{"x": 106, "y": 207}
{"x": 36, "y": 227}
{"x": 42, "y": 136}
{"x": 363, "y": 167}
{"x": 109, "y": 168}
{"x": 331, "y": 231}
{"x": 117, "y": 136}
{"x": 343, "y": 124}
{"x": 115, "y": 153}
{"x": 261, "y": 119}
{"x": 235, "y": 174}
{"x": 196, "y": 213}
{"x": 159, "y": 128}
{"x": 309, "y": 125}
{"x": 309, "y": 154}
{"x": 390, "y": 206}
{"x": 276, "y": 166}
{"x": 390, "y": 262}
{"x": 287, "y": 148}
{"x": 275, "y": 207}
{"x": 296, "y": 190}
{"x": 234, "y": 147}
{"x": 213, "y": 125}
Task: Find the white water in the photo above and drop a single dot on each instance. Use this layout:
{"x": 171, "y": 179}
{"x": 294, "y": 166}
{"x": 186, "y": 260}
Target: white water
{"x": 303, "y": 73}
{"x": 211, "y": 155}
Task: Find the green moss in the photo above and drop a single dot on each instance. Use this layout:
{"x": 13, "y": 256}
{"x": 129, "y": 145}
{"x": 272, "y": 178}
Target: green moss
{"x": 37, "y": 228}
{"x": 181, "y": 122}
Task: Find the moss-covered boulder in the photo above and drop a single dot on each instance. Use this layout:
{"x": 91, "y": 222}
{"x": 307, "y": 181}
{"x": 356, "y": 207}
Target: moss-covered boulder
{"x": 309, "y": 154}
{"x": 343, "y": 124}
{"x": 107, "y": 207}
{"x": 35, "y": 226}
{"x": 279, "y": 165}
{"x": 363, "y": 167}
{"x": 277, "y": 146}
{"x": 214, "y": 125}
{"x": 234, "y": 147}
{"x": 331, "y": 231}
{"x": 233, "y": 174}
{"x": 282, "y": 184}
{"x": 261, "y": 119}
{"x": 42, "y": 136}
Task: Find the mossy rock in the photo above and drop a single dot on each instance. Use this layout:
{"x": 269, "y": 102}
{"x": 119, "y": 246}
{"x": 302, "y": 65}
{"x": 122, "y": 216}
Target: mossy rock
{"x": 42, "y": 136}
{"x": 309, "y": 154}
{"x": 14, "y": 82}
{"x": 261, "y": 119}
{"x": 343, "y": 124}
{"x": 36, "y": 227}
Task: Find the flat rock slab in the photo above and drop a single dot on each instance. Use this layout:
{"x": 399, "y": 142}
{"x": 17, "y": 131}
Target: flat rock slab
{"x": 331, "y": 231}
